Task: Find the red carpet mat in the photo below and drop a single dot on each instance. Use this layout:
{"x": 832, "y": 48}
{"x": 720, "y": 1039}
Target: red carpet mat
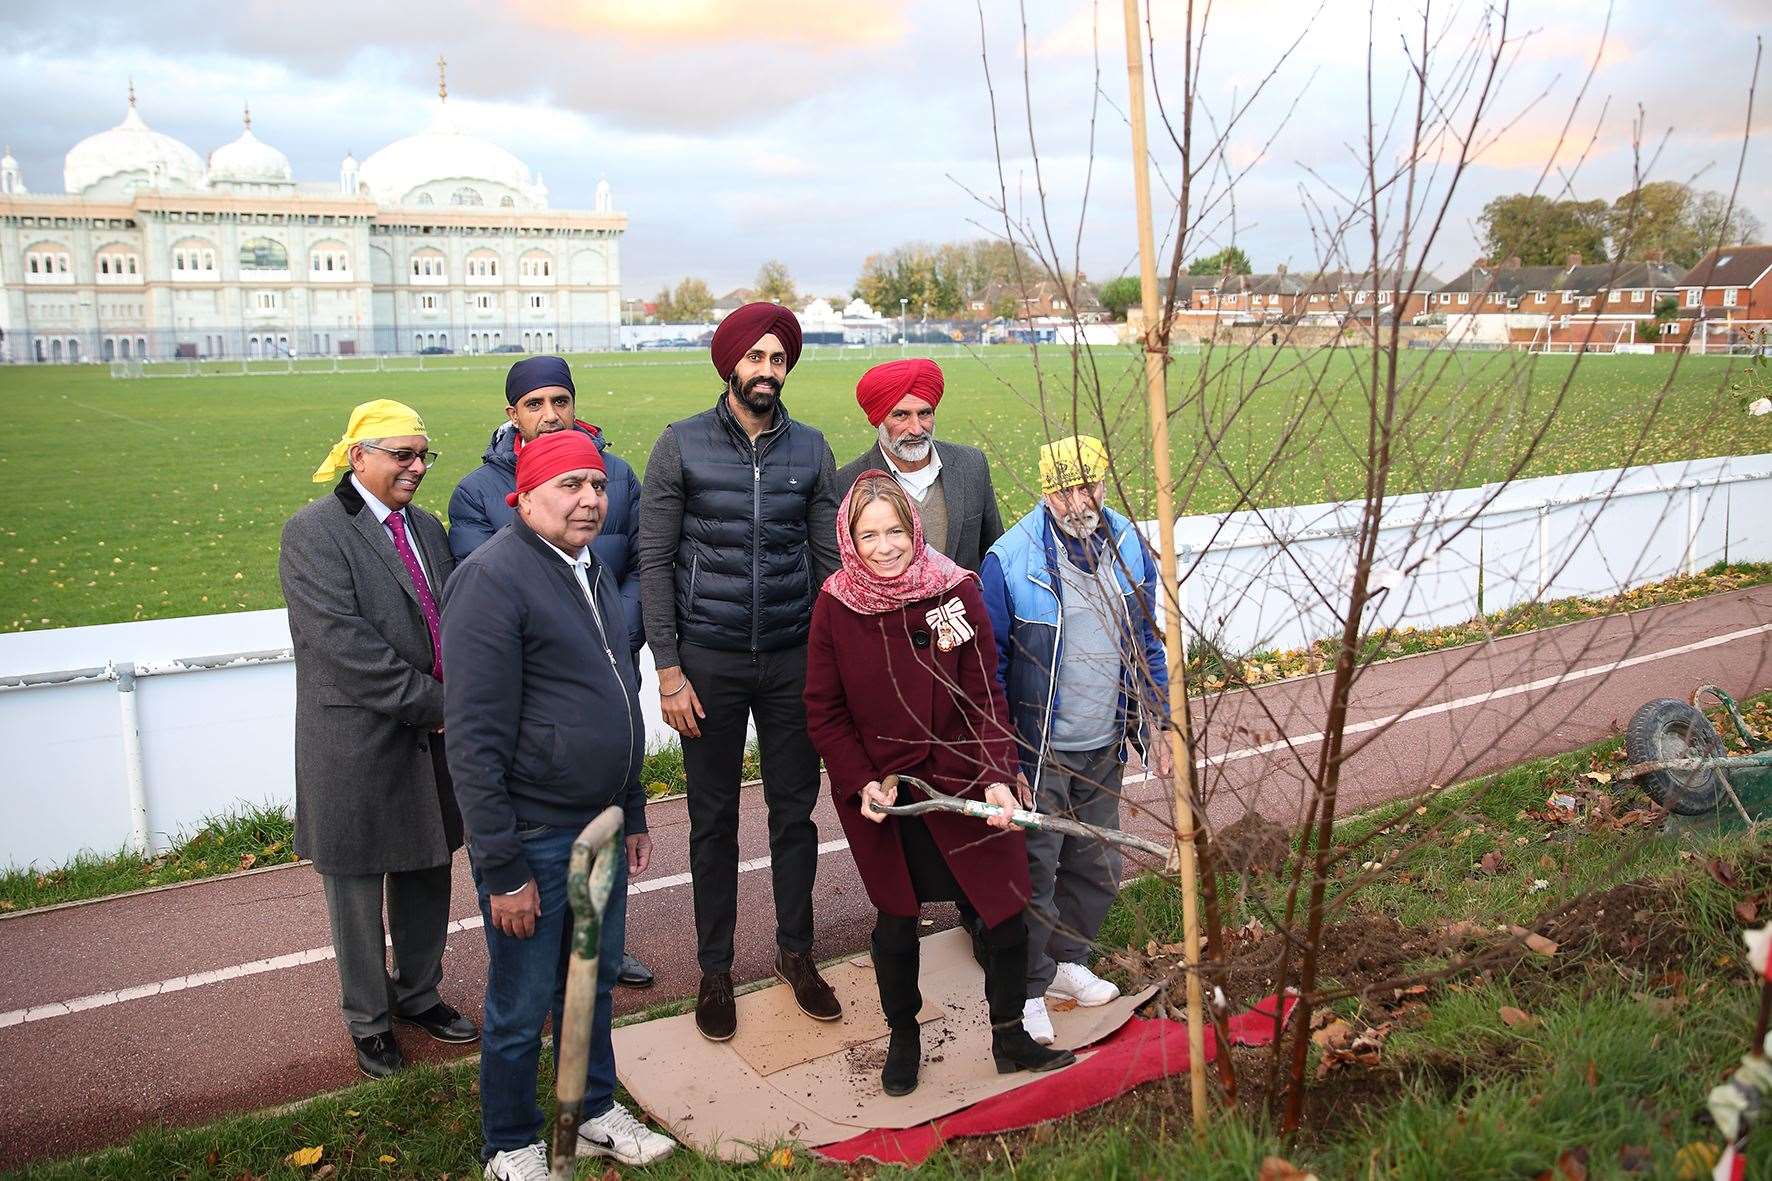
{"x": 1139, "y": 1051}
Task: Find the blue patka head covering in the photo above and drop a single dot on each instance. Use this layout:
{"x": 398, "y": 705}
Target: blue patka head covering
{"x": 534, "y": 373}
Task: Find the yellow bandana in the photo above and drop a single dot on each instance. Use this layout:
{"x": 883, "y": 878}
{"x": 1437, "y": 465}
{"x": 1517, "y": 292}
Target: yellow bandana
{"x": 1068, "y": 463}
{"x": 380, "y": 419}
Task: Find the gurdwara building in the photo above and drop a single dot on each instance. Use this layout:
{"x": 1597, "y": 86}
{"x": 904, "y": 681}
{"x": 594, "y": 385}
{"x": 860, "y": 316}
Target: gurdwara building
{"x": 441, "y": 241}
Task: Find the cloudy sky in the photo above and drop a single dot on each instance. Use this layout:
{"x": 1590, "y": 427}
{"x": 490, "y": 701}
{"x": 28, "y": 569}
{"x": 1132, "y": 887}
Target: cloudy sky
{"x": 818, "y": 131}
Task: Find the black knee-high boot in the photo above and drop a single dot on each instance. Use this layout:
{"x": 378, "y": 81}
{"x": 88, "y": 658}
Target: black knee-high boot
{"x": 1005, "y": 990}
{"x": 895, "y": 949}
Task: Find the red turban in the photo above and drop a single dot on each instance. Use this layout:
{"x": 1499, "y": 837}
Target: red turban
{"x": 884, "y": 386}
{"x": 746, "y": 326}
{"x": 549, "y": 455}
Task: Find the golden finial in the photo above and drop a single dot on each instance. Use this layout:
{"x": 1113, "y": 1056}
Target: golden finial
{"x": 132, "y": 92}
{"x": 248, "y": 116}
{"x": 442, "y": 78}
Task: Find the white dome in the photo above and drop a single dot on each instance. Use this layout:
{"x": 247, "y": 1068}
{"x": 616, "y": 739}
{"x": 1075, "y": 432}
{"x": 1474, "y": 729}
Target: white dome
{"x": 443, "y": 155}
{"x": 249, "y": 160}
{"x": 133, "y": 156}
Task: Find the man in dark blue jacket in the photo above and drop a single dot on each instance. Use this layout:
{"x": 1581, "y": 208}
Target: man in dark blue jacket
{"x": 540, "y": 400}
{"x": 739, "y": 532}
{"x": 542, "y": 711}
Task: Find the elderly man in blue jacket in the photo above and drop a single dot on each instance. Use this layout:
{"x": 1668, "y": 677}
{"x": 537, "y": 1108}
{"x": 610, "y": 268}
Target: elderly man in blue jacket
{"x": 1071, "y": 589}
{"x": 542, "y": 710}
{"x": 540, "y": 400}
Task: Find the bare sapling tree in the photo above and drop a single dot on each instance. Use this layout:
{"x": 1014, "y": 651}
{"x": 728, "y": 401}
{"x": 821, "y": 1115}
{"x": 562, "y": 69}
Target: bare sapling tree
{"x": 1347, "y": 456}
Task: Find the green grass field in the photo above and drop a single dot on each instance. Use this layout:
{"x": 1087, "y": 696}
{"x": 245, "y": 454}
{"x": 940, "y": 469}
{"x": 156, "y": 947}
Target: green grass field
{"x": 154, "y": 498}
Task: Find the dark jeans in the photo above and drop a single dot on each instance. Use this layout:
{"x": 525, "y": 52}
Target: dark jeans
{"x": 526, "y": 983}
{"x": 732, "y": 687}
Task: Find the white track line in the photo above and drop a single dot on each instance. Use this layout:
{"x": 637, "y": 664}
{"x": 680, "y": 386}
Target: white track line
{"x": 100, "y": 1000}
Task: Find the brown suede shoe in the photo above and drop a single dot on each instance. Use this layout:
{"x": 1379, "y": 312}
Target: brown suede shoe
{"x": 811, "y": 993}
{"x": 716, "y": 1016}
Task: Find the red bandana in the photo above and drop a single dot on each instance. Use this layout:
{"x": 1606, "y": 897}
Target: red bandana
{"x": 858, "y": 588}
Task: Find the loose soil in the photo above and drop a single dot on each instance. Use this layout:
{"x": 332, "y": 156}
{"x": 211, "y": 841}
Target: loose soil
{"x": 1636, "y": 925}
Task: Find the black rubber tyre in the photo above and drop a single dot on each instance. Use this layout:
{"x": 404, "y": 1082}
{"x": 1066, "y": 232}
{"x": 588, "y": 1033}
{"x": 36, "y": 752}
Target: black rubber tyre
{"x": 1665, "y": 729}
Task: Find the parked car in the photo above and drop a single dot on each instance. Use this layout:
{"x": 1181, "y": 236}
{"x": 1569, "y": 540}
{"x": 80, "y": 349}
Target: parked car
{"x": 509, "y": 348}
{"x": 435, "y": 350}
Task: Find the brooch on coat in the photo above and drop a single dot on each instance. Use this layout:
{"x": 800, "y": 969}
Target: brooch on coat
{"x": 951, "y": 626}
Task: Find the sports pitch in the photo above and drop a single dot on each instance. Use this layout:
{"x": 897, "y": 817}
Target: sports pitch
{"x": 150, "y": 498}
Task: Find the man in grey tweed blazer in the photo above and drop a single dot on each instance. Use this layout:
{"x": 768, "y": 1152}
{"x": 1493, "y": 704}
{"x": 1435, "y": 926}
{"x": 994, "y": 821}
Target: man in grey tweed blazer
{"x": 363, "y": 570}
{"x": 950, "y": 483}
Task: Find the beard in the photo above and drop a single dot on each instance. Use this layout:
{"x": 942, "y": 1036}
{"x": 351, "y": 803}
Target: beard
{"x": 759, "y": 395}
{"x": 906, "y": 447}
{"x": 1079, "y": 525}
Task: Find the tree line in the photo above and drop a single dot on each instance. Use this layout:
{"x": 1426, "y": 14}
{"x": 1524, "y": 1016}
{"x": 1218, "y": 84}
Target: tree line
{"x": 1663, "y": 219}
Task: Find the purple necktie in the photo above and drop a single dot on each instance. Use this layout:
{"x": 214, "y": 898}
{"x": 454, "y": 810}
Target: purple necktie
{"x": 426, "y": 603}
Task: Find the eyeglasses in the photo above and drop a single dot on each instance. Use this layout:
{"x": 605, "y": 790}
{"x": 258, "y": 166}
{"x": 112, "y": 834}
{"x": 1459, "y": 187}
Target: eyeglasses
{"x": 403, "y": 455}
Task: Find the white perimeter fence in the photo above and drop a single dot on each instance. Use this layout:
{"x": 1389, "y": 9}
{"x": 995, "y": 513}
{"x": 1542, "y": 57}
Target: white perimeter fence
{"x": 124, "y": 735}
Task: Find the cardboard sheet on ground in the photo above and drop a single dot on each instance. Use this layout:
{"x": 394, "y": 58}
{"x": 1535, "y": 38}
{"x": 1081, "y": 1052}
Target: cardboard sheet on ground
{"x": 787, "y": 1077}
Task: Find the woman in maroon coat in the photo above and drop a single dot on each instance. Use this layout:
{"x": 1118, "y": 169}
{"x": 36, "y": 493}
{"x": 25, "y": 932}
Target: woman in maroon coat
{"x": 901, "y": 678}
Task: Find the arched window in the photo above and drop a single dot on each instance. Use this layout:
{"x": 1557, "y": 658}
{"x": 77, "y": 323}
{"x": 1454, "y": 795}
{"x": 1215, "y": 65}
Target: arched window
{"x": 466, "y": 195}
{"x": 418, "y": 341}
{"x": 109, "y": 351}
{"x": 55, "y": 350}
{"x": 507, "y": 202}
{"x": 263, "y": 254}
{"x": 424, "y": 199}
{"x": 73, "y": 349}
{"x": 141, "y": 347}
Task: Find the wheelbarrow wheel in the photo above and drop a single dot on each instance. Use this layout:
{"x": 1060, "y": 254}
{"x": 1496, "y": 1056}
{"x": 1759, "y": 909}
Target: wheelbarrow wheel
{"x": 1667, "y": 729}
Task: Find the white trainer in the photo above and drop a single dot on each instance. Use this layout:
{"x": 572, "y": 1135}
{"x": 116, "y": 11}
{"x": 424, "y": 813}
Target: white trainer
{"x": 528, "y": 1163}
{"x": 1037, "y": 1021}
{"x": 1078, "y": 983}
{"x": 618, "y": 1134}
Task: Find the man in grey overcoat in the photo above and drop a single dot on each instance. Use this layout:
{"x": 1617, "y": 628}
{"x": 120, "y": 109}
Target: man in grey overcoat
{"x": 950, "y": 482}
{"x": 363, "y": 570}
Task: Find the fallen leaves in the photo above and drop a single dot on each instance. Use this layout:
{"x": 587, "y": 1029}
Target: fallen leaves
{"x": 1514, "y": 1018}
{"x": 1536, "y": 943}
{"x": 1722, "y": 872}
{"x": 301, "y": 1158}
{"x": 782, "y": 1158}
{"x": 1278, "y": 1168}
{"x": 1571, "y": 1166}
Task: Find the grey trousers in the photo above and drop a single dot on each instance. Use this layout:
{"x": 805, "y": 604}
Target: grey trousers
{"x": 418, "y": 921}
{"x": 1074, "y": 880}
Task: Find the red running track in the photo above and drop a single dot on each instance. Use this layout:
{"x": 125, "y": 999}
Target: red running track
{"x": 100, "y": 1017}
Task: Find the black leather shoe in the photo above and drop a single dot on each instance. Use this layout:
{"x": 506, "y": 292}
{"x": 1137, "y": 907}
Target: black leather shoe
{"x": 443, "y": 1023}
{"x": 633, "y": 974}
{"x": 378, "y": 1056}
{"x": 716, "y": 1016}
{"x": 800, "y": 973}
{"x": 1012, "y": 1050}
{"x": 904, "y": 1056}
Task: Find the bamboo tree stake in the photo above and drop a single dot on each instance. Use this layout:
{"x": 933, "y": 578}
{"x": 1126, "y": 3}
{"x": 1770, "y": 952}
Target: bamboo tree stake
{"x": 1180, "y": 734}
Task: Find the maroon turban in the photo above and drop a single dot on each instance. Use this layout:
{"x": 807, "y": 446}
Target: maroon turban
{"x": 884, "y": 386}
{"x": 749, "y": 324}
{"x": 549, "y": 455}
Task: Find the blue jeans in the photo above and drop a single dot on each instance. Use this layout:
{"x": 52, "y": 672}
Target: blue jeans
{"x": 526, "y": 982}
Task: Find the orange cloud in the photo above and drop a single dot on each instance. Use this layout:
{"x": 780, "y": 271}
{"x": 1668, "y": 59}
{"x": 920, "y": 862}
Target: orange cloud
{"x": 835, "y": 23}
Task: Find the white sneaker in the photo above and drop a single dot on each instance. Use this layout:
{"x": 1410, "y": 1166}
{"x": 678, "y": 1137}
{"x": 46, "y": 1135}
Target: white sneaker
{"x": 1037, "y": 1021}
{"x": 1081, "y": 985}
{"x": 529, "y": 1163}
{"x": 618, "y": 1134}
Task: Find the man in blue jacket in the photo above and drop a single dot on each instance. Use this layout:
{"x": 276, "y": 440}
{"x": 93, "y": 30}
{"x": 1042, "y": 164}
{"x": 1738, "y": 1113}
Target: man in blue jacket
{"x": 1071, "y": 589}
{"x": 542, "y": 711}
{"x": 540, "y": 400}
